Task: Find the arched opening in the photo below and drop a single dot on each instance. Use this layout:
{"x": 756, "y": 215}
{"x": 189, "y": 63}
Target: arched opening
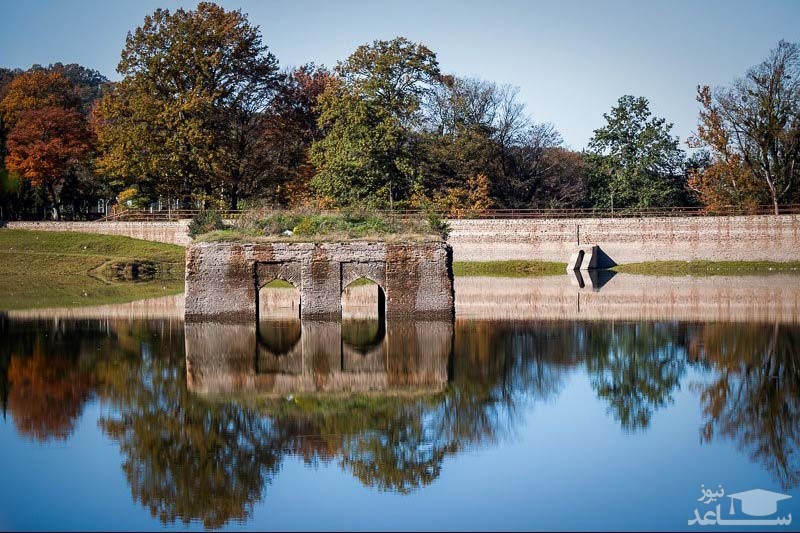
{"x": 363, "y": 314}
{"x": 278, "y": 299}
{"x": 278, "y": 328}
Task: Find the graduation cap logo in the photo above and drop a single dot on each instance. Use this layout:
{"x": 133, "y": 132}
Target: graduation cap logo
{"x": 757, "y": 502}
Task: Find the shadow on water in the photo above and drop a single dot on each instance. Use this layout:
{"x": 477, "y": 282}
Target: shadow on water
{"x": 204, "y": 414}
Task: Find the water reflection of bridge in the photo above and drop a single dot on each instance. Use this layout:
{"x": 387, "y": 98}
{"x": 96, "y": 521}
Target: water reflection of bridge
{"x": 190, "y": 459}
{"x": 293, "y": 357}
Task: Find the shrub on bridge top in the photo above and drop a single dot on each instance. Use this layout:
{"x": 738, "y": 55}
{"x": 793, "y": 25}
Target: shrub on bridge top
{"x": 341, "y": 225}
{"x": 206, "y": 221}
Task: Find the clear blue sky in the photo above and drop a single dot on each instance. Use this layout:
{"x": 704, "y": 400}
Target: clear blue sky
{"x": 571, "y": 60}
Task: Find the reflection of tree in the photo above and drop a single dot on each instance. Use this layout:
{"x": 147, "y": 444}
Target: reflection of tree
{"x": 399, "y": 443}
{"x": 754, "y": 399}
{"x": 634, "y": 368}
{"x": 387, "y": 443}
{"x": 497, "y": 365}
{"x": 46, "y": 375}
{"x": 47, "y": 395}
{"x": 185, "y": 459}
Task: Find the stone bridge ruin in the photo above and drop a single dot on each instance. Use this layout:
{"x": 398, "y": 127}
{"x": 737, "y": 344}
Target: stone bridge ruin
{"x": 415, "y": 280}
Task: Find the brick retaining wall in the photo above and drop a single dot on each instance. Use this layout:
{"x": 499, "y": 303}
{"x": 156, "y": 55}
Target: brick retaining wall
{"x": 166, "y": 232}
{"x": 625, "y": 240}
{"x": 630, "y": 240}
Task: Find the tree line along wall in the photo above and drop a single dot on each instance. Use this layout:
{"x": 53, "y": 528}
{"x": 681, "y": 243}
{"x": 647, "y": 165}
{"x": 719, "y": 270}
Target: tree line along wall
{"x": 630, "y": 240}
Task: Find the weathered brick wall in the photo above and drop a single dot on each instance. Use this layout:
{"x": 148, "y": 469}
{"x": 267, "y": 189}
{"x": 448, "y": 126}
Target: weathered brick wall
{"x": 630, "y": 240}
{"x": 166, "y": 232}
{"x": 223, "y": 279}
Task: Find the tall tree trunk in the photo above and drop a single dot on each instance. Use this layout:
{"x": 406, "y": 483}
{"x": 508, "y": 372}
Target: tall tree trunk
{"x": 56, "y": 209}
{"x": 234, "y": 198}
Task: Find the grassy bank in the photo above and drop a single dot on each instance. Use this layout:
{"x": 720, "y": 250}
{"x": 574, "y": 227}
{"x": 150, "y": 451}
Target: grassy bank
{"x": 508, "y": 269}
{"x": 709, "y": 268}
{"x": 60, "y": 269}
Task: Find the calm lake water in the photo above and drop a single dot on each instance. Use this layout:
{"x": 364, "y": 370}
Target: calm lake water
{"x": 607, "y": 411}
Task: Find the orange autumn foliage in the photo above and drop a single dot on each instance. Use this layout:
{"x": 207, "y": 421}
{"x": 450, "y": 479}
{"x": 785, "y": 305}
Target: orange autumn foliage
{"x": 45, "y": 143}
{"x": 472, "y": 197}
{"x": 47, "y": 395}
{"x": 37, "y": 89}
{"x": 727, "y": 181}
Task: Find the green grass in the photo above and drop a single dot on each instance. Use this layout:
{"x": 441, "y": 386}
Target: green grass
{"x": 508, "y": 269}
{"x": 709, "y": 268}
{"x": 345, "y": 225}
{"x": 279, "y": 284}
{"x": 61, "y": 269}
{"x": 361, "y": 281}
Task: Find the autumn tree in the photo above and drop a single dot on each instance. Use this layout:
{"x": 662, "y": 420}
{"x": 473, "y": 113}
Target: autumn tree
{"x": 291, "y": 127}
{"x": 36, "y": 89}
{"x": 752, "y": 130}
{"x": 6, "y": 77}
{"x": 457, "y": 143}
{"x": 184, "y": 118}
{"x": 45, "y": 145}
{"x": 370, "y": 114}
{"x": 635, "y": 161}
{"x": 564, "y": 178}
{"x": 48, "y": 136}
{"x": 478, "y": 128}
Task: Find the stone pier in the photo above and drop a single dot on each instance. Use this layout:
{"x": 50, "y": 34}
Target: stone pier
{"x": 223, "y": 279}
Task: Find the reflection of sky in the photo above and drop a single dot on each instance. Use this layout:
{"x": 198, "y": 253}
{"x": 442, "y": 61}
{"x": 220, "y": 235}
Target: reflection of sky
{"x": 566, "y": 465}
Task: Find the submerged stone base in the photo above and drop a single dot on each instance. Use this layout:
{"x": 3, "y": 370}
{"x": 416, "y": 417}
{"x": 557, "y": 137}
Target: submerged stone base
{"x": 223, "y": 279}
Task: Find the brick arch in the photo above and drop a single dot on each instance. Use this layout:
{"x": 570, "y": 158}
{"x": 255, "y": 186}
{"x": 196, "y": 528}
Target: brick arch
{"x": 289, "y": 271}
{"x": 266, "y": 272}
{"x": 374, "y": 271}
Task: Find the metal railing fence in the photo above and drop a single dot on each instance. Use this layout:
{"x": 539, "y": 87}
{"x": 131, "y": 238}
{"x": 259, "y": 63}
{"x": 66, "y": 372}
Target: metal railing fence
{"x": 793, "y": 209}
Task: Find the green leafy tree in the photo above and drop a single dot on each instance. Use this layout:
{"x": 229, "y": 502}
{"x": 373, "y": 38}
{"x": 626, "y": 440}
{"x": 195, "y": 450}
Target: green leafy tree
{"x": 370, "y": 115}
{"x": 635, "y": 368}
{"x": 634, "y": 159}
{"x": 184, "y": 119}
